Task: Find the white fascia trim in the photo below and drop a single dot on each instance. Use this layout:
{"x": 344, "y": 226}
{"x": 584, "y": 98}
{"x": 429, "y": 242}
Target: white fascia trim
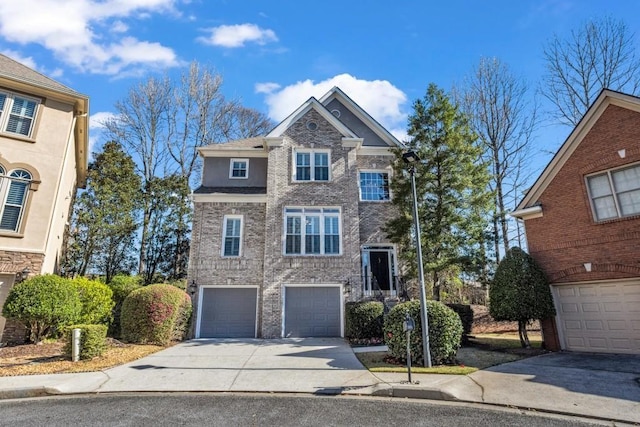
{"x": 305, "y": 108}
{"x": 352, "y": 142}
{"x": 274, "y": 141}
{"x": 375, "y": 151}
{"x": 527, "y": 213}
{"x": 238, "y": 152}
{"x": 229, "y": 198}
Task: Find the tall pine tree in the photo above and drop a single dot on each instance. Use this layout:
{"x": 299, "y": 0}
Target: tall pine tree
{"x": 451, "y": 184}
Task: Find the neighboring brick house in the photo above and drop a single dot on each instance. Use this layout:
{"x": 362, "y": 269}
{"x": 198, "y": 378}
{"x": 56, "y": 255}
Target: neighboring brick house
{"x": 43, "y": 158}
{"x": 287, "y": 227}
{"x": 582, "y": 219}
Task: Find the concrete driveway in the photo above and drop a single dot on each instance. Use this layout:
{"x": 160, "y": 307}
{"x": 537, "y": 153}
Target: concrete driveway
{"x": 307, "y": 365}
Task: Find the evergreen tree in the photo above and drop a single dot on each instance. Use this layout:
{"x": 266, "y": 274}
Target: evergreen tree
{"x": 520, "y": 292}
{"x": 451, "y": 184}
{"x": 102, "y": 232}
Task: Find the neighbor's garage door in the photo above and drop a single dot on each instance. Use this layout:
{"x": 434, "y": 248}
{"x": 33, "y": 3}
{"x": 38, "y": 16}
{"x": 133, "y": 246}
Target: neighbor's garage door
{"x": 600, "y": 317}
{"x": 228, "y": 313}
{"x": 312, "y": 311}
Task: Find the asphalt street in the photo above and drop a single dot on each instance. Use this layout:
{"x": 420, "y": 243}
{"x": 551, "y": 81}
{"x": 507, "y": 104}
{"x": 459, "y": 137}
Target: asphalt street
{"x": 222, "y": 409}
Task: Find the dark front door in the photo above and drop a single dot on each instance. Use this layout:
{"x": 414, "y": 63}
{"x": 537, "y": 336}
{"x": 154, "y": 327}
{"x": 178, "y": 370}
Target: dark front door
{"x": 380, "y": 270}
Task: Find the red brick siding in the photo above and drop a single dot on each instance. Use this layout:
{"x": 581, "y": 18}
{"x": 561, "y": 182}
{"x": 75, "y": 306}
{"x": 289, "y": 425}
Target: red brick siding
{"x": 567, "y": 236}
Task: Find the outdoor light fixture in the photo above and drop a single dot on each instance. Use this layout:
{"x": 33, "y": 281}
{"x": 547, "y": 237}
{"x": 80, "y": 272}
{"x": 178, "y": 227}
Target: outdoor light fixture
{"x": 23, "y": 275}
{"x": 193, "y": 288}
{"x": 411, "y": 159}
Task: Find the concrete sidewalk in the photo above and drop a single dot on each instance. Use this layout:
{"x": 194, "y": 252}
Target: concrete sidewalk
{"x": 600, "y": 386}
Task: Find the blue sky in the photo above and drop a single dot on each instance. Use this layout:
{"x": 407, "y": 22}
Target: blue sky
{"x": 274, "y": 54}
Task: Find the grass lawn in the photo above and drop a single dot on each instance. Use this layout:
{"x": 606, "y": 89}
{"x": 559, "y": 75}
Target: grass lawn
{"x": 484, "y": 350}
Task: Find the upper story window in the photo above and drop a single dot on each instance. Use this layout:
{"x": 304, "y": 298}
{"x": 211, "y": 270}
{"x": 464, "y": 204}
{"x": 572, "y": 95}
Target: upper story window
{"x": 311, "y": 165}
{"x": 14, "y": 189}
{"x": 615, "y": 193}
{"x": 312, "y": 231}
{"x": 239, "y": 169}
{"x": 232, "y": 235}
{"x": 17, "y": 113}
{"x": 374, "y": 186}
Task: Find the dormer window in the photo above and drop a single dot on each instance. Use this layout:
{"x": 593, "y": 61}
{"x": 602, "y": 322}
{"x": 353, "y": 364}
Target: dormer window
{"x": 17, "y": 113}
{"x": 239, "y": 169}
{"x": 311, "y": 165}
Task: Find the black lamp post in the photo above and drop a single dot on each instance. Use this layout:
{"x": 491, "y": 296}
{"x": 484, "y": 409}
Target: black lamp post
{"x": 411, "y": 159}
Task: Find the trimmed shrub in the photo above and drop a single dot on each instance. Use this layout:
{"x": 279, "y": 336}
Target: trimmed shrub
{"x": 121, "y": 286}
{"x": 364, "y": 319}
{"x": 155, "y": 314}
{"x": 93, "y": 340}
{"x": 44, "y": 304}
{"x": 466, "y": 317}
{"x": 97, "y": 301}
{"x": 445, "y": 332}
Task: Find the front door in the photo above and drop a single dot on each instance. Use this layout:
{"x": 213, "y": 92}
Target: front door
{"x": 378, "y": 270}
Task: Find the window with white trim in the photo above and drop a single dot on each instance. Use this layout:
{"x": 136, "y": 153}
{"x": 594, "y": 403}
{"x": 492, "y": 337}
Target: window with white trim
{"x": 312, "y": 231}
{"x": 17, "y": 113}
{"x": 615, "y": 193}
{"x": 239, "y": 168}
{"x": 14, "y": 190}
{"x": 374, "y": 186}
{"x": 311, "y": 165}
{"x": 232, "y": 235}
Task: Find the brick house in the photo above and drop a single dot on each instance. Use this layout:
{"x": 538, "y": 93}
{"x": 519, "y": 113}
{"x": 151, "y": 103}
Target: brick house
{"x": 287, "y": 227}
{"x": 43, "y": 158}
{"x": 582, "y": 219}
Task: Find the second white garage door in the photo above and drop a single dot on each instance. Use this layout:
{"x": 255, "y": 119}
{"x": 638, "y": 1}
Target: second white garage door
{"x": 313, "y": 311}
{"x": 600, "y": 316}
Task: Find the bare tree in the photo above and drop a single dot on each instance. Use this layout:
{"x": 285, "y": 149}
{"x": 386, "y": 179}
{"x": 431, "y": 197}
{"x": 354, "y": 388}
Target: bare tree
{"x": 599, "y": 55}
{"x": 496, "y": 102}
{"x": 245, "y": 122}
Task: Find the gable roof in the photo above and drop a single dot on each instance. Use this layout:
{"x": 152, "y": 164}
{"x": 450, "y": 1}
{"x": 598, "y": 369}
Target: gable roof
{"x": 311, "y": 103}
{"x": 16, "y": 76}
{"x": 607, "y": 97}
{"x": 356, "y": 110}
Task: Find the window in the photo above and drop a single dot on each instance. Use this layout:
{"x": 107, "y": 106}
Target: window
{"x": 312, "y": 231}
{"x": 232, "y": 235}
{"x": 311, "y": 165}
{"x": 17, "y": 113}
{"x": 14, "y": 189}
{"x": 374, "y": 186}
{"x": 239, "y": 169}
{"x": 615, "y": 193}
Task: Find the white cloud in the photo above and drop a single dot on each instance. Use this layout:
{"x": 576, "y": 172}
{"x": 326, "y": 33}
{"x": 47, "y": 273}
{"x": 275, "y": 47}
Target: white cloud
{"x": 97, "y": 120}
{"x": 71, "y": 30}
{"x": 382, "y": 100}
{"x": 237, "y": 35}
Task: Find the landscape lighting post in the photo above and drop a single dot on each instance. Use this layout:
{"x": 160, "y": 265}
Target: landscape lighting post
{"x": 411, "y": 159}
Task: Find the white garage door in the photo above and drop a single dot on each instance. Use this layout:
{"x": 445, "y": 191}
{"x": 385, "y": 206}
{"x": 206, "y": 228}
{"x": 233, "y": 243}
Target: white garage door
{"x": 599, "y": 317}
{"x": 313, "y": 311}
{"x": 227, "y": 313}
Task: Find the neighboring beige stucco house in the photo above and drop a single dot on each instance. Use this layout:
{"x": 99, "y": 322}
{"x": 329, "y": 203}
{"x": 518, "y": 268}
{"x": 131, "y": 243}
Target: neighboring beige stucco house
{"x": 43, "y": 159}
{"x": 287, "y": 227}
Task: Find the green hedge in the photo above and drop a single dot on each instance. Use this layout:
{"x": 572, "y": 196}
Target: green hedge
{"x": 364, "y": 319}
{"x": 44, "y": 304}
{"x": 445, "y": 332}
{"x": 121, "y": 286}
{"x": 466, "y": 317}
{"x": 155, "y": 314}
{"x": 97, "y": 301}
{"x": 93, "y": 340}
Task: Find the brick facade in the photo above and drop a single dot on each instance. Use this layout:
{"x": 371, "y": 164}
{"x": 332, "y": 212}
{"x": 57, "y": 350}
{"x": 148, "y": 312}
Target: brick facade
{"x": 567, "y": 236}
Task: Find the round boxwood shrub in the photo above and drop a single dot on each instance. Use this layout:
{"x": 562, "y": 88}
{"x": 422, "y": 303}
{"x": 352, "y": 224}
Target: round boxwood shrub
{"x": 44, "y": 304}
{"x": 93, "y": 340}
{"x": 155, "y": 314}
{"x": 97, "y": 301}
{"x": 364, "y": 319}
{"x": 445, "y": 332}
{"x": 121, "y": 286}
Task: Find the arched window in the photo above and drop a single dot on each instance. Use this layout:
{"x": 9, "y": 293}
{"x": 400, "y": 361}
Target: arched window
{"x": 14, "y": 190}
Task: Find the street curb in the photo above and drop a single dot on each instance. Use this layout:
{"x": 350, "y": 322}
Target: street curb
{"x": 386, "y": 390}
{"x": 25, "y": 392}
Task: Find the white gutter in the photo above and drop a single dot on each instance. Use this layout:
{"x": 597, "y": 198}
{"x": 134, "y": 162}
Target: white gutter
{"x": 528, "y": 213}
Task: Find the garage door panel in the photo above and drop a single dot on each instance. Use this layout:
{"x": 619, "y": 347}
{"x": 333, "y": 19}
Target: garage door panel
{"x": 600, "y": 317}
{"x": 228, "y": 313}
{"x": 312, "y": 311}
